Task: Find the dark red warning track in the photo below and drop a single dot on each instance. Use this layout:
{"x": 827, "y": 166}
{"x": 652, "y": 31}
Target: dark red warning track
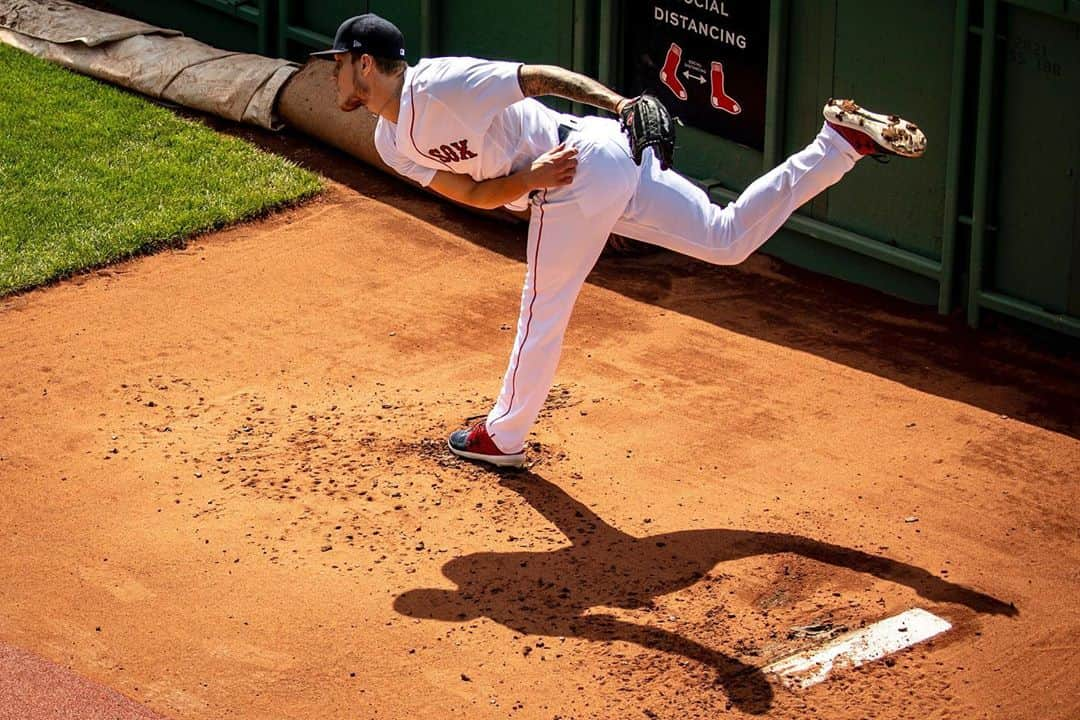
{"x": 32, "y": 688}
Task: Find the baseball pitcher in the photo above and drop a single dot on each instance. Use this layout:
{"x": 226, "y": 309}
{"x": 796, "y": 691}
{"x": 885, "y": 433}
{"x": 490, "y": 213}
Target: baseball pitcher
{"x": 471, "y": 130}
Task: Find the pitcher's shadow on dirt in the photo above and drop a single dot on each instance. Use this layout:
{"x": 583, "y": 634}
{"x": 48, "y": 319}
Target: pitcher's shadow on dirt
{"x": 548, "y": 593}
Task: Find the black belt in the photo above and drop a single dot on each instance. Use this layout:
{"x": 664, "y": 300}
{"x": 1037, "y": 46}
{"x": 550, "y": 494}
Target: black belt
{"x": 565, "y": 128}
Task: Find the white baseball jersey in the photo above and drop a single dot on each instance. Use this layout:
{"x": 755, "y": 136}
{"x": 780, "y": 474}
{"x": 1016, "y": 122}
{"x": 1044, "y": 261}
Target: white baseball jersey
{"x": 466, "y": 116}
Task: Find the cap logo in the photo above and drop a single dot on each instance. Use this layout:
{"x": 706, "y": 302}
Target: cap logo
{"x": 357, "y": 43}
{"x": 402, "y": 52}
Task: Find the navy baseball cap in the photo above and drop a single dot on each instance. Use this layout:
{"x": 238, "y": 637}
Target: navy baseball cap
{"x": 368, "y": 34}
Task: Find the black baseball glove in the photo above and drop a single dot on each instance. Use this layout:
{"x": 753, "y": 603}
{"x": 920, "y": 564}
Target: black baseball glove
{"x": 648, "y": 123}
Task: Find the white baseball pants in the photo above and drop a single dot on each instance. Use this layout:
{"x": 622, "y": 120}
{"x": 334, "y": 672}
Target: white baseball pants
{"x": 610, "y": 193}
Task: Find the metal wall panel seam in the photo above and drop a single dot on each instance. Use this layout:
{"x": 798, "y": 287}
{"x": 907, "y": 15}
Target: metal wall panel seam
{"x": 283, "y": 28}
{"x": 818, "y": 208}
{"x": 429, "y": 24}
{"x": 605, "y": 50}
{"x": 952, "y": 164}
{"x": 988, "y": 57}
{"x": 579, "y": 14}
{"x": 265, "y": 31}
{"x": 776, "y": 84}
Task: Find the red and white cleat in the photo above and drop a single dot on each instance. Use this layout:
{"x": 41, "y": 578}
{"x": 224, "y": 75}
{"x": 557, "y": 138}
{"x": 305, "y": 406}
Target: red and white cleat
{"x": 871, "y": 133}
{"x": 476, "y": 444}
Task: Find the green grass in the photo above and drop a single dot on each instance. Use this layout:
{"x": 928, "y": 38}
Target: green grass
{"x": 90, "y": 174}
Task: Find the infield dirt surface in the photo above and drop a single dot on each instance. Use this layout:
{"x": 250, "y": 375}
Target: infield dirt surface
{"x": 226, "y": 492}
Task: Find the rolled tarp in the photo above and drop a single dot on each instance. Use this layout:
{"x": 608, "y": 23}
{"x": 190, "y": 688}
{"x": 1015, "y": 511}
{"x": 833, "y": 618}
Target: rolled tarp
{"x": 157, "y": 62}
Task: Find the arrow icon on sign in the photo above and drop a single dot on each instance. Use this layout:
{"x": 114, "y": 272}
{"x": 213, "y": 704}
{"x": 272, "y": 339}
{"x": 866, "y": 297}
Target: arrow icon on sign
{"x": 689, "y": 76}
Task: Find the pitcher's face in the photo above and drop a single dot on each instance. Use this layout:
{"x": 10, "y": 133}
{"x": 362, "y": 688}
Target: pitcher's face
{"x": 353, "y": 89}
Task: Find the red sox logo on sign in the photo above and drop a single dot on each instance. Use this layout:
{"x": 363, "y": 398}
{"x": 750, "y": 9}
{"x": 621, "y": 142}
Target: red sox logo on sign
{"x": 454, "y": 152}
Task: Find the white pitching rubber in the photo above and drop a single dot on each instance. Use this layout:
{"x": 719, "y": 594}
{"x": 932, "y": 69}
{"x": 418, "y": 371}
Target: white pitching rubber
{"x": 853, "y": 649}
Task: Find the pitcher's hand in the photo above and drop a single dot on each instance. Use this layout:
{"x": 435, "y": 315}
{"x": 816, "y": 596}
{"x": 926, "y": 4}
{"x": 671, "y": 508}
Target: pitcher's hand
{"x": 554, "y": 168}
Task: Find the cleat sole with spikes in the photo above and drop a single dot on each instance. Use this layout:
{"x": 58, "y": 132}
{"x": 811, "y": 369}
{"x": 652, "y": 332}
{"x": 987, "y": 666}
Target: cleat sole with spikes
{"x": 893, "y": 134}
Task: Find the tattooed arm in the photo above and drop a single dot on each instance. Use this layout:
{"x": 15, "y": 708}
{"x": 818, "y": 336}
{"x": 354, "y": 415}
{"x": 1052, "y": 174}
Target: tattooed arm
{"x": 552, "y": 80}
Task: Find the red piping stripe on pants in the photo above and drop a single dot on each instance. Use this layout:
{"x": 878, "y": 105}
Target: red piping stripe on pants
{"x": 528, "y": 322}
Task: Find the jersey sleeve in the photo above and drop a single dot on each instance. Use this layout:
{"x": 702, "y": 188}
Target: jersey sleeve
{"x": 477, "y": 90}
{"x": 386, "y": 146}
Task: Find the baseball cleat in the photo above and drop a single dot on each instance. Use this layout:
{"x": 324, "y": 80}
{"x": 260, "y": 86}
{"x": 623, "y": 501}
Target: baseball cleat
{"x": 476, "y": 444}
{"x": 873, "y": 134}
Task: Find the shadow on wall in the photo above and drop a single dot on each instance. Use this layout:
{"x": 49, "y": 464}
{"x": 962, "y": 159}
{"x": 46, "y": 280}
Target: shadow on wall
{"x": 549, "y": 593}
{"x": 1004, "y": 371}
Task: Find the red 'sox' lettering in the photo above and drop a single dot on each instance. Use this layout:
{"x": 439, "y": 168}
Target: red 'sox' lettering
{"x": 454, "y": 152}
